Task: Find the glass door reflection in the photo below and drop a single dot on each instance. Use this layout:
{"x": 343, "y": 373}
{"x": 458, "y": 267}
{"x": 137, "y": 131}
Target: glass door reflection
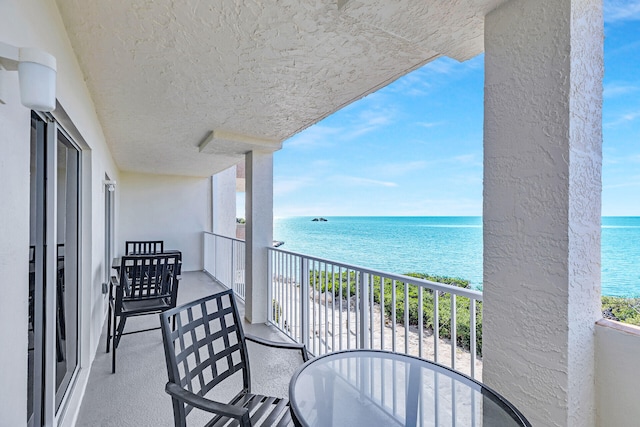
{"x": 67, "y": 268}
{"x": 53, "y": 269}
{"x": 35, "y": 351}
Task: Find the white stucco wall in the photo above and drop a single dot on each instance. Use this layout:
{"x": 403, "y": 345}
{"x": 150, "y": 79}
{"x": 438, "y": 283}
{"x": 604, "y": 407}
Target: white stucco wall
{"x": 224, "y": 202}
{"x": 617, "y": 373}
{"x": 37, "y": 23}
{"x": 170, "y": 208}
{"x": 14, "y": 253}
{"x": 542, "y": 185}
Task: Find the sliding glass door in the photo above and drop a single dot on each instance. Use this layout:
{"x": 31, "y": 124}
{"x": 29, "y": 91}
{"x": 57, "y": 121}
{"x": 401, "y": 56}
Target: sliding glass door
{"x": 53, "y": 269}
{"x": 67, "y": 264}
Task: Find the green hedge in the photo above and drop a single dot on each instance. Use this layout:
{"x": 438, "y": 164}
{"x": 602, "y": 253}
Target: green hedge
{"x": 331, "y": 282}
{"x": 626, "y": 310}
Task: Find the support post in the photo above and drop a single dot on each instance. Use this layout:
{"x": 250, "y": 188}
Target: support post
{"x": 259, "y": 228}
{"x": 542, "y": 206}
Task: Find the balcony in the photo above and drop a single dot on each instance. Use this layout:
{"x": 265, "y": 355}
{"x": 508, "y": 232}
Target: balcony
{"x": 135, "y": 395}
{"x": 164, "y": 105}
{"x": 307, "y": 307}
{"x": 325, "y": 321}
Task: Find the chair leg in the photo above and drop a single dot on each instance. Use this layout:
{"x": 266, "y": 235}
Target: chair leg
{"x": 113, "y": 360}
{"x": 110, "y": 302}
{"x": 113, "y": 335}
{"x": 113, "y": 354}
{"x": 117, "y": 334}
{"x": 117, "y": 331}
{"x": 109, "y": 326}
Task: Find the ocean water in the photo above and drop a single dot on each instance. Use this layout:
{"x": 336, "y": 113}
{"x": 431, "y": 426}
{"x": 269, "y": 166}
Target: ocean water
{"x": 446, "y": 246}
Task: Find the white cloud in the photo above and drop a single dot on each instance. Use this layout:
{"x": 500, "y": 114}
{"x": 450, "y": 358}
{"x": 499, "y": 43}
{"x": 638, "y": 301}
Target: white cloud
{"x": 463, "y": 206}
{"x": 286, "y": 186}
{"x": 465, "y": 158}
{"x": 359, "y": 181}
{"x": 395, "y": 169}
{"x": 303, "y": 209}
{"x": 448, "y": 66}
{"x": 633, "y": 181}
{"x": 429, "y": 124}
{"x": 442, "y": 65}
{"x": 413, "y": 84}
{"x": 616, "y": 89}
{"x": 314, "y": 136}
{"x": 626, "y": 160}
{"x": 624, "y": 118}
{"x": 621, "y": 10}
{"x": 434, "y": 163}
{"x": 369, "y": 120}
{"x": 435, "y": 74}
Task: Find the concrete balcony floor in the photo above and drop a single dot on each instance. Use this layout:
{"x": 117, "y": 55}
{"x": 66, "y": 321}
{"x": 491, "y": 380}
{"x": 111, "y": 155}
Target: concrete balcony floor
{"x": 135, "y": 396}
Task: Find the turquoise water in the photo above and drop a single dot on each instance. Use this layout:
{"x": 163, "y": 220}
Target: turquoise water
{"x": 446, "y": 246}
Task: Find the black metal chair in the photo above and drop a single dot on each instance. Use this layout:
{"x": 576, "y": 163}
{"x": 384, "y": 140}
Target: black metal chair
{"x": 147, "y": 284}
{"x": 205, "y": 348}
{"x": 143, "y": 247}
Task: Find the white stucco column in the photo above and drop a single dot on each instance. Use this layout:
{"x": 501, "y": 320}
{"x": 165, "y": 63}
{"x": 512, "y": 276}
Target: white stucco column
{"x": 259, "y": 229}
{"x": 542, "y": 185}
{"x": 223, "y": 198}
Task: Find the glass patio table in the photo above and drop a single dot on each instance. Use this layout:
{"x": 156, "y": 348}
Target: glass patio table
{"x": 379, "y": 388}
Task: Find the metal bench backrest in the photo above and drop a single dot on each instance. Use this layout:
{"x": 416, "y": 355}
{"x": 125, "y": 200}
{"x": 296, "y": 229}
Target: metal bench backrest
{"x": 148, "y": 277}
{"x": 143, "y": 247}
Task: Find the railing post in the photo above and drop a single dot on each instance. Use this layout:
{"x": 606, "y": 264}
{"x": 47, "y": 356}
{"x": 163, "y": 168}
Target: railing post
{"x": 304, "y": 301}
{"x": 472, "y": 331}
{"x": 215, "y": 256}
{"x": 454, "y": 327}
{"x": 233, "y": 268}
{"x": 364, "y": 310}
{"x": 270, "y": 301}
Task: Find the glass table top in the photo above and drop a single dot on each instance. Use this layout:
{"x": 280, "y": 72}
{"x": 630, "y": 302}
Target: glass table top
{"x": 379, "y": 388}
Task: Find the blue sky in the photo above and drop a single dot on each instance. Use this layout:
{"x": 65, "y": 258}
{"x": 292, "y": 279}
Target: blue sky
{"x": 415, "y": 146}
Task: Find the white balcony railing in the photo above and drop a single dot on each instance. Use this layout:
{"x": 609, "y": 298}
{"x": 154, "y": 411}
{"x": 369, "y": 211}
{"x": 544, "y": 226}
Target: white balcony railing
{"x": 224, "y": 260}
{"x": 332, "y": 306}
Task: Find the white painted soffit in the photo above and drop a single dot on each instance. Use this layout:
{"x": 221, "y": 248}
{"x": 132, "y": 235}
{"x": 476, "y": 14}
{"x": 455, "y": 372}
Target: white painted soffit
{"x": 164, "y": 73}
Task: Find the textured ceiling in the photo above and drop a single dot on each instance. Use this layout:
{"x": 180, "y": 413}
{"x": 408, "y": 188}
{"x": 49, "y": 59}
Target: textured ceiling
{"x": 164, "y": 74}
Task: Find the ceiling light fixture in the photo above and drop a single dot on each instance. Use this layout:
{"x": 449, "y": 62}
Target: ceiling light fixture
{"x": 36, "y": 74}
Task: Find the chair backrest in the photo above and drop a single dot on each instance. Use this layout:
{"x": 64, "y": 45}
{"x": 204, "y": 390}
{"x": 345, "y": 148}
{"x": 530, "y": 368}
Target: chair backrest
{"x": 148, "y": 277}
{"x": 206, "y": 347}
{"x": 143, "y": 247}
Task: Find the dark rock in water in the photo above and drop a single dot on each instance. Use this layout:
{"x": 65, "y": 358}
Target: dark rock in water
{"x": 319, "y": 219}
{"x": 608, "y": 314}
{"x": 277, "y": 243}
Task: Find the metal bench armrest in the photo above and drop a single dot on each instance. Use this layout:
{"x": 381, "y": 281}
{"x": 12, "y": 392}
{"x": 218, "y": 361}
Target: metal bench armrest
{"x": 288, "y": 346}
